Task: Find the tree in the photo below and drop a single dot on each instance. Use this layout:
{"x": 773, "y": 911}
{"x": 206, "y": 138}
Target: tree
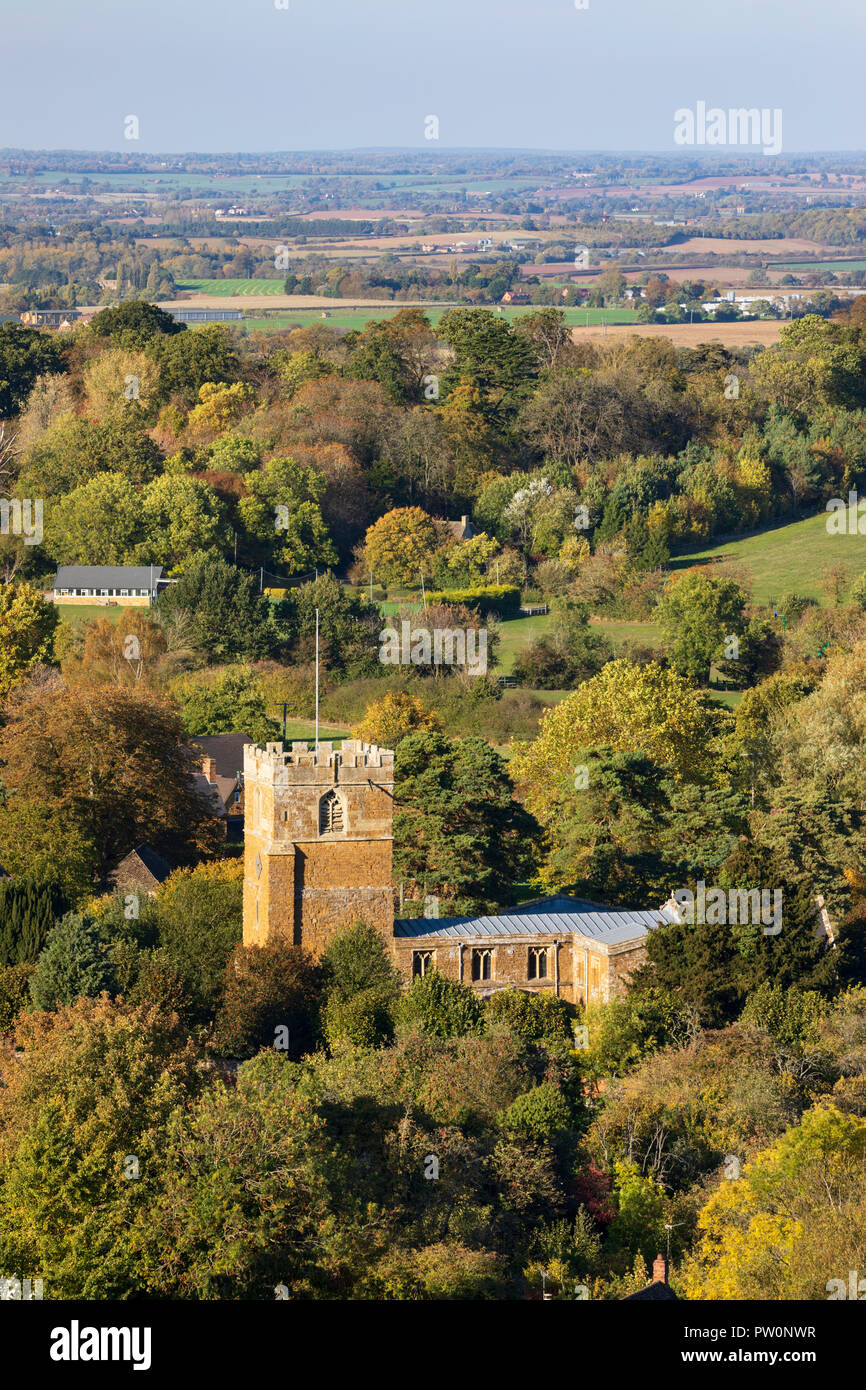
{"x": 282, "y": 510}
{"x": 362, "y": 989}
{"x": 396, "y": 714}
{"x": 441, "y": 1008}
{"x": 399, "y": 547}
{"x": 535, "y": 1017}
{"x": 604, "y": 828}
{"x": 244, "y": 1200}
{"x": 576, "y": 417}
{"x": 190, "y": 360}
{"x": 622, "y": 1032}
{"x": 28, "y": 907}
{"x": 72, "y": 450}
{"x": 542, "y": 1114}
{"x": 119, "y": 380}
{"x": 457, "y": 828}
{"x": 633, "y": 709}
{"x": 27, "y": 627}
{"x": 84, "y": 1110}
{"x": 113, "y": 760}
{"x": 198, "y": 915}
{"x": 74, "y": 964}
{"x": 134, "y": 324}
{"x": 641, "y": 1209}
{"x": 784, "y": 1229}
{"x": 25, "y": 354}
{"x": 45, "y": 840}
{"x": 698, "y": 616}
{"x": 223, "y": 701}
{"x": 98, "y": 523}
{"x": 230, "y": 619}
{"x": 656, "y": 290}
{"x": 125, "y": 653}
{"x": 491, "y": 358}
{"x": 267, "y": 989}
{"x": 219, "y": 407}
{"x": 348, "y": 627}
{"x": 549, "y": 334}
{"x": 183, "y": 518}
{"x": 14, "y": 994}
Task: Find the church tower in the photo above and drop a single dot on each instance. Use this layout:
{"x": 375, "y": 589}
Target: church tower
{"x": 317, "y": 842}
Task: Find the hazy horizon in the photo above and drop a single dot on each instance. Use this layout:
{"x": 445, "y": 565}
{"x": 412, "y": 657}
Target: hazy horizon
{"x": 222, "y": 77}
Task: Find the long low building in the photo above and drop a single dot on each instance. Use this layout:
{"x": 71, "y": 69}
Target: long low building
{"x": 581, "y": 951}
{"x": 131, "y": 586}
{"x": 204, "y": 315}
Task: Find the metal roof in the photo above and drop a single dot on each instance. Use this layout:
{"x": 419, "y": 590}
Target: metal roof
{"x": 107, "y": 576}
{"x": 547, "y": 917}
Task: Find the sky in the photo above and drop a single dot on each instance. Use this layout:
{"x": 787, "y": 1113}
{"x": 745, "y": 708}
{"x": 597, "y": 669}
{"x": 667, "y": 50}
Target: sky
{"x": 244, "y": 75}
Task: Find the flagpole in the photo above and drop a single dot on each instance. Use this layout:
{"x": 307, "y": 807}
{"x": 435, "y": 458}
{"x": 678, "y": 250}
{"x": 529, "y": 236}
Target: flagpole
{"x": 317, "y": 687}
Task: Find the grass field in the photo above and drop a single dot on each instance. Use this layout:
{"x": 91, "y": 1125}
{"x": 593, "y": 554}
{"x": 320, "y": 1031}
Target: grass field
{"x": 298, "y": 729}
{"x": 356, "y": 318}
{"x": 515, "y": 634}
{"x": 838, "y": 267}
{"x": 77, "y": 613}
{"x": 233, "y": 287}
{"x": 618, "y": 633}
{"x": 354, "y": 315}
{"x": 788, "y": 559}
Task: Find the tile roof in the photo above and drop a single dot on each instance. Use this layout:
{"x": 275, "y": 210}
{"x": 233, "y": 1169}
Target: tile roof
{"x": 154, "y": 865}
{"x": 548, "y": 916}
{"x": 227, "y": 751}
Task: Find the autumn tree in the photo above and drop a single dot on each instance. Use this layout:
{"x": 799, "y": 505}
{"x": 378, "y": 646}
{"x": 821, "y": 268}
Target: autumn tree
{"x": 243, "y": 1204}
{"x": 119, "y": 380}
{"x": 399, "y": 547}
{"x": 392, "y": 717}
{"x": 633, "y": 709}
{"x": 113, "y": 759}
{"x": 27, "y": 626}
{"x": 127, "y": 652}
{"x": 84, "y": 1107}
{"x": 784, "y": 1230}
{"x": 271, "y": 999}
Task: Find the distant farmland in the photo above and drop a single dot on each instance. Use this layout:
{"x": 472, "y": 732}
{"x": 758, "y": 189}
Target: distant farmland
{"x": 841, "y": 267}
{"x": 232, "y": 287}
{"x": 355, "y": 317}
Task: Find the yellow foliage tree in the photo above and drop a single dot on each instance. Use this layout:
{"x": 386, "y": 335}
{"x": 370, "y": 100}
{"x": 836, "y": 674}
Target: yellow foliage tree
{"x": 117, "y": 379}
{"x": 388, "y": 720}
{"x": 632, "y": 709}
{"x": 399, "y": 547}
{"x": 219, "y": 407}
{"x": 27, "y": 626}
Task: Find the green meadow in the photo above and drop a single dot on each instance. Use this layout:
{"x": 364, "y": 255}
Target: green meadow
{"x": 785, "y": 559}
{"x": 232, "y": 287}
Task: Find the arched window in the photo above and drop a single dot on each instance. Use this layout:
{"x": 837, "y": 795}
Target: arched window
{"x": 330, "y": 814}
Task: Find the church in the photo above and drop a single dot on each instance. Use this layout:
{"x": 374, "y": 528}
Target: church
{"x": 318, "y": 857}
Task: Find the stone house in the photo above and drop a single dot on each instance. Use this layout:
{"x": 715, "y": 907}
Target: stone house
{"x": 220, "y": 758}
